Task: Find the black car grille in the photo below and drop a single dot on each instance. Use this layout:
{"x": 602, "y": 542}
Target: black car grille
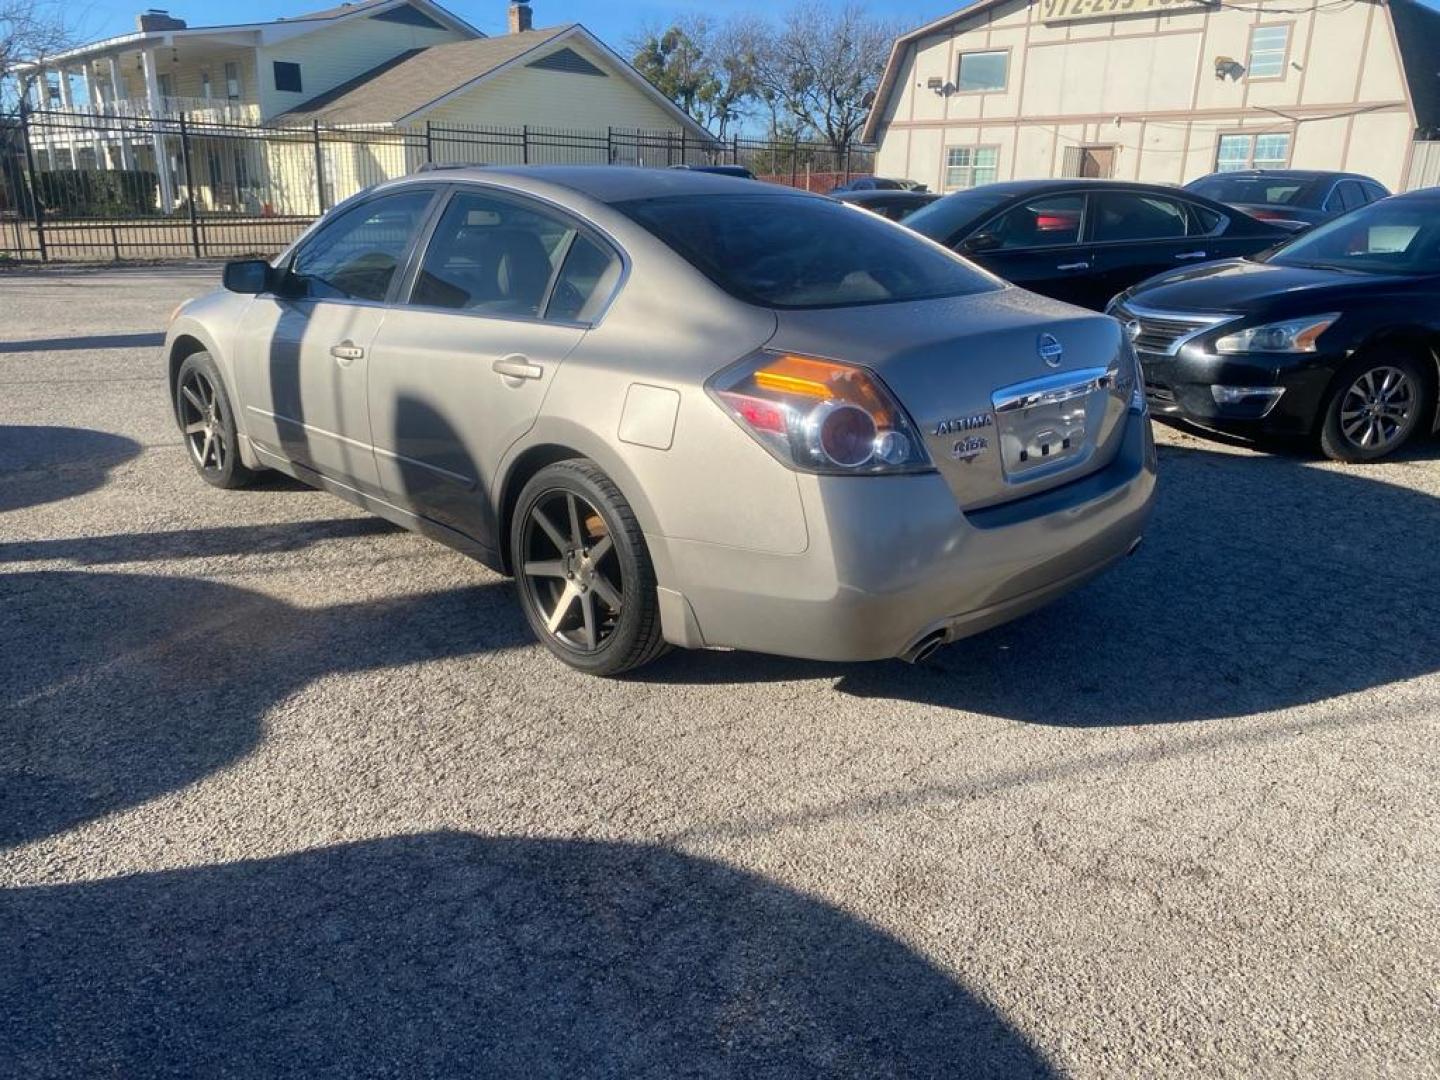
{"x": 1157, "y": 334}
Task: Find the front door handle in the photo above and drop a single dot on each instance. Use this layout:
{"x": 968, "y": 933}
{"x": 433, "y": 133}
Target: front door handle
{"x": 517, "y": 367}
{"x": 1073, "y": 266}
{"x": 1191, "y": 255}
{"x": 347, "y": 351}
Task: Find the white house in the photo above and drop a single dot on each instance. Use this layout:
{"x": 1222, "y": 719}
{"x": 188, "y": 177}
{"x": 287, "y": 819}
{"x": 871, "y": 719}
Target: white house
{"x": 374, "y": 68}
{"x": 1160, "y": 90}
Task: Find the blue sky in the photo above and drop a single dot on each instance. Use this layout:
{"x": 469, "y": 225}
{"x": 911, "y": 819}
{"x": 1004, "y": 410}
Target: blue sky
{"x": 614, "y": 21}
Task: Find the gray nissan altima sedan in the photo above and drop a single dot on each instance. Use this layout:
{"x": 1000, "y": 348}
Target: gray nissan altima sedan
{"x": 681, "y": 409}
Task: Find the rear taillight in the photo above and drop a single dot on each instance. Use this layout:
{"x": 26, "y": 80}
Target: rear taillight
{"x": 820, "y": 415}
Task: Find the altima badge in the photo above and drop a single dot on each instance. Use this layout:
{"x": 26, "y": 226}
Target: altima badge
{"x": 957, "y": 424}
{"x": 1050, "y": 349}
{"x": 969, "y": 448}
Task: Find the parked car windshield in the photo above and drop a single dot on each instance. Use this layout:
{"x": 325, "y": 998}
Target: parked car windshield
{"x": 792, "y": 251}
{"x": 1397, "y": 236}
{"x": 1253, "y": 190}
{"x": 942, "y": 219}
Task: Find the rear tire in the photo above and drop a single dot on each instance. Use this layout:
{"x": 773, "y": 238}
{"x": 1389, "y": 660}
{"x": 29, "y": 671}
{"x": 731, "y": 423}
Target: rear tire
{"x": 586, "y": 582}
{"x": 1377, "y": 405}
{"x": 207, "y": 423}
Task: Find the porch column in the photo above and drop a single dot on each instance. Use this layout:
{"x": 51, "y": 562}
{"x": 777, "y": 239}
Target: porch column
{"x": 71, "y": 121}
{"x": 117, "y": 98}
{"x": 97, "y": 110}
{"x": 157, "y": 111}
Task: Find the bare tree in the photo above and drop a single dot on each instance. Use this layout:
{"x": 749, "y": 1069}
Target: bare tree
{"x": 30, "y": 31}
{"x": 823, "y": 67}
{"x": 705, "y": 67}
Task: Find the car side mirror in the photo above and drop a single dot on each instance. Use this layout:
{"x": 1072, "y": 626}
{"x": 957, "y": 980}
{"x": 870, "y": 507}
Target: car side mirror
{"x": 979, "y": 244}
{"x": 247, "y": 276}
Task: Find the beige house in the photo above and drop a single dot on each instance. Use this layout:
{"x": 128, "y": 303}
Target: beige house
{"x": 1161, "y": 91}
{"x": 376, "y": 76}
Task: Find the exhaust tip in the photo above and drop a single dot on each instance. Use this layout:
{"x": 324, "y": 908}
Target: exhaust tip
{"x": 925, "y": 648}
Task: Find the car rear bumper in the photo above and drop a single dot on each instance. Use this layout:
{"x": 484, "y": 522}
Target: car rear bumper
{"x": 892, "y": 564}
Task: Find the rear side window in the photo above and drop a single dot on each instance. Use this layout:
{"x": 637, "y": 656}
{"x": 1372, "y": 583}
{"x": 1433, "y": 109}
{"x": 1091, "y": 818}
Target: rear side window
{"x": 1121, "y": 216}
{"x": 355, "y": 255}
{"x": 492, "y": 256}
{"x": 796, "y": 251}
{"x": 1051, "y": 221}
{"x": 587, "y": 279}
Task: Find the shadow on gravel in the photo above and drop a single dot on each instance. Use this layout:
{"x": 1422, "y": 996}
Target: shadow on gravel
{"x": 84, "y": 341}
{"x": 117, "y": 688}
{"x": 1264, "y": 583}
{"x": 39, "y": 465}
{"x": 450, "y": 954}
{"x": 194, "y": 543}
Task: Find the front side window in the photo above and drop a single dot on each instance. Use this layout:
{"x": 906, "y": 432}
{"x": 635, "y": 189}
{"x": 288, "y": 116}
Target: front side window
{"x": 1049, "y": 221}
{"x": 1122, "y": 216}
{"x": 971, "y": 166}
{"x": 1239, "y": 152}
{"x": 491, "y": 256}
{"x": 983, "y": 71}
{"x": 232, "y": 81}
{"x": 1269, "y": 48}
{"x": 794, "y": 251}
{"x": 356, "y": 254}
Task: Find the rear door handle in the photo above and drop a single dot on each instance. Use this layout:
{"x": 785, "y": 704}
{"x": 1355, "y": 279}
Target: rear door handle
{"x": 347, "y": 351}
{"x": 1191, "y": 255}
{"x": 517, "y": 367}
{"x": 1073, "y": 266}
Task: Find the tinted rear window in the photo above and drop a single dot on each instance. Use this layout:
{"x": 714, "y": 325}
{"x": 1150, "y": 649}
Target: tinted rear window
{"x": 792, "y": 251}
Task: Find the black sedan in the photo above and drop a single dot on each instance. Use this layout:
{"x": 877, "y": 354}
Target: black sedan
{"x": 1333, "y": 336}
{"x": 1085, "y": 240}
{"x": 895, "y": 205}
{"x": 1297, "y": 198}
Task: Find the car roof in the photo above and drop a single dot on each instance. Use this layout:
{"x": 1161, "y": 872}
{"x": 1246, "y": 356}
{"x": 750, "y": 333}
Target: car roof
{"x": 1291, "y": 174}
{"x": 614, "y": 183}
{"x": 1034, "y": 187}
{"x": 883, "y": 195}
{"x": 1431, "y": 194}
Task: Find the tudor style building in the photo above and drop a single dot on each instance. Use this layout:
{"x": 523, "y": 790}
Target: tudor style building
{"x": 1161, "y": 90}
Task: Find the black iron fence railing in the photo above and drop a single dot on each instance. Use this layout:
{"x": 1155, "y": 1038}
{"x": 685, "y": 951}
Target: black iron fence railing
{"x": 85, "y": 186}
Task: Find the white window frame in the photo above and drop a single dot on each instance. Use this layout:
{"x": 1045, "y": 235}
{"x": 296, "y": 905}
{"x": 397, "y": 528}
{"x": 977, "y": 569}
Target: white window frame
{"x": 960, "y": 64}
{"x": 970, "y": 168}
{"x": 1249, "y": 161}
{"x": 1281, "y": 62}
{"x": 234, "y": 88}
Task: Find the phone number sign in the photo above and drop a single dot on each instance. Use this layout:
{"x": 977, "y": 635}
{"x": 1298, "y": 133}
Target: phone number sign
{"x": 1069, "y": 10}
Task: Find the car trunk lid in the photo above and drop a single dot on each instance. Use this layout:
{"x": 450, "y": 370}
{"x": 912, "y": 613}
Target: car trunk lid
{"x": 1012, "y": 393}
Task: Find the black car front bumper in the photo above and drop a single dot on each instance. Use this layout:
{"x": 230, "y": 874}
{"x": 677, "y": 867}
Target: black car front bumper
{"x": 1182, "y": 385}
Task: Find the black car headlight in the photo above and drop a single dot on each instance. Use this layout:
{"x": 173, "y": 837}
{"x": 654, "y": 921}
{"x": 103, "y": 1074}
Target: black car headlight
{"x": 1291, "y": 336}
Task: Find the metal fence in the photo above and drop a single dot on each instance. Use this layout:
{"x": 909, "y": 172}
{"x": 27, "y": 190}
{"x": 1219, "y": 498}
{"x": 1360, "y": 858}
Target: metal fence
{"x": 81, "y": 186}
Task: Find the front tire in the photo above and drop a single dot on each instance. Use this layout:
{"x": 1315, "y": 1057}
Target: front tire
{"x": 1377, "y": 405}
{"x": 584, "y": 574}
{"x": 207, "y": 422}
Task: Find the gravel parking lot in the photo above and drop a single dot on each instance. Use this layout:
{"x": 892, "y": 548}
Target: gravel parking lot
{"x": 287, "y": 791}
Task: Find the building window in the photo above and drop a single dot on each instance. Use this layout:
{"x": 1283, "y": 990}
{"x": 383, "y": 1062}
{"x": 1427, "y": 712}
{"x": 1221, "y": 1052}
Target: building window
{"x": 983, "y": 71}
{"x": 287, "y": 76}
{"x": 232, "y": 81}
{"x": 205, "y": 85}
{"x": 969, "y": 166}
{"x": 1237, "y": 152}
{"x": 1269, "y": 48}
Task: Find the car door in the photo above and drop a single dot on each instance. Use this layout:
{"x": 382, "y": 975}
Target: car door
{"x": 1035, "y": 243}
{"x": 1138, "y": 234}
{"x": 502, "y": 293}
{"x": 304, "y": 354}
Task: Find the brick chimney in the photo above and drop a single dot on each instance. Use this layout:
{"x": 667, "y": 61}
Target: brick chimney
{"x": 157, "y": 19}
{"x": 520, "y": 16}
